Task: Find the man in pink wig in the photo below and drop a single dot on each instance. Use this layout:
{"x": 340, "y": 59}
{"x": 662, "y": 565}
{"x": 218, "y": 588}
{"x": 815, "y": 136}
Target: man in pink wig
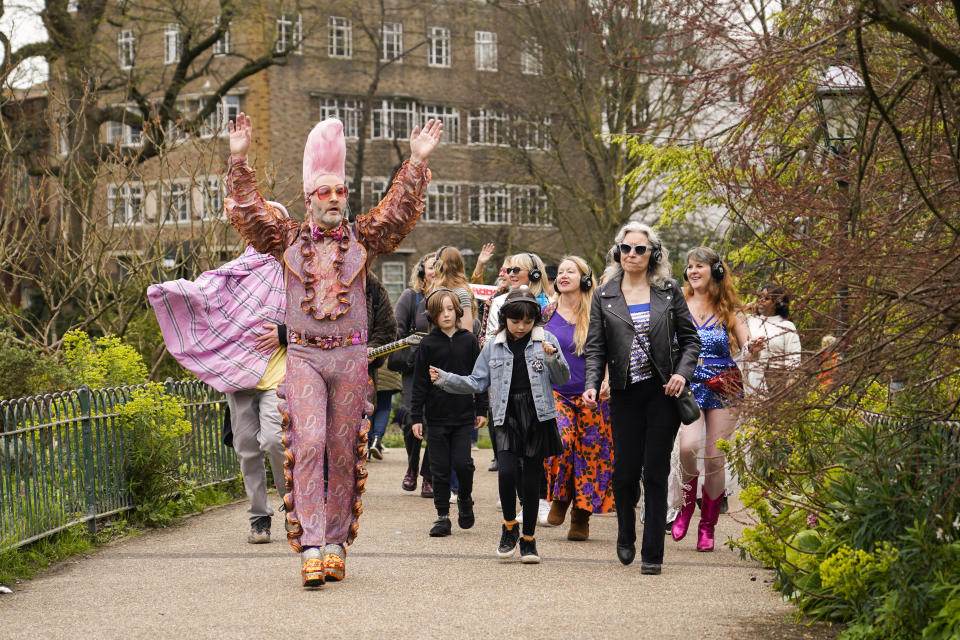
{"x": 325, "y": 262}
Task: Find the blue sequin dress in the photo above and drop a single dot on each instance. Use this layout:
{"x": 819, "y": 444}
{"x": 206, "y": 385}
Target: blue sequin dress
{"x": 714, "y": 359}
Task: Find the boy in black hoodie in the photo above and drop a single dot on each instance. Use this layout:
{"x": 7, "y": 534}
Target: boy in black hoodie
{"x": 451, "y": 418}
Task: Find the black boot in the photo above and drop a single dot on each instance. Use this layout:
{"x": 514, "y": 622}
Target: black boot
{"x": 626, "y": 525}
{"x": 376, "y": 449}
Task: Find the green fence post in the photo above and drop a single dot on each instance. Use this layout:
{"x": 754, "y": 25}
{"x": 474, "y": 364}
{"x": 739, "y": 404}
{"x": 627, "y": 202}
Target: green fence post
{"x": 89, "y": 475}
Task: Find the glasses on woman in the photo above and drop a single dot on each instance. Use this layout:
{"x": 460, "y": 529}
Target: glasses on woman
{"x": 638, "y": 249}
{"x": 514, "y": 270}
{"x": 324, "y": 192}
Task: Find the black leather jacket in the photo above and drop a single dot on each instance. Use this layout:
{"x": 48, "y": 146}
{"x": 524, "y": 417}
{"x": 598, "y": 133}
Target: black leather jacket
{"x": 674, "y": 343}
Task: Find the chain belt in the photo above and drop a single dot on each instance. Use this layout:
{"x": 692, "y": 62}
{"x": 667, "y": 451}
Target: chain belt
{"x": 327, "y": 342}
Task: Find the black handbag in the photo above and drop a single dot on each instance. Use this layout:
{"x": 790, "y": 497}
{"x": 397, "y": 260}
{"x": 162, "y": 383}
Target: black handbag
{"x": 686, "y": 404}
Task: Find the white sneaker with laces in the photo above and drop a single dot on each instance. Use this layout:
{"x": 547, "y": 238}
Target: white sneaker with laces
{"x": 542, "y": 512}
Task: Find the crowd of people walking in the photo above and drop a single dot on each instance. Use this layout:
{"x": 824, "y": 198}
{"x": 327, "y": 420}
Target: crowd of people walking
{"x": 589, "y": 386}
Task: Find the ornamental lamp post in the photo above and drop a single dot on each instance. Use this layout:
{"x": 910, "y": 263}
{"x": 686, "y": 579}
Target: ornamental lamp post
{"x": 839, "y": 97}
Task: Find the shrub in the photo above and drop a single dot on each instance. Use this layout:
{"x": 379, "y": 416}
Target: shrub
{"x": 105, "y": 362}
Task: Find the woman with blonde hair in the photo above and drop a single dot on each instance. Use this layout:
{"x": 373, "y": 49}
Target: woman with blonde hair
{"x": 523, "y": 270}
{"x": 449, "y": 273}
{"x": 582, "y": 475}
{"x": 717, "y": 386}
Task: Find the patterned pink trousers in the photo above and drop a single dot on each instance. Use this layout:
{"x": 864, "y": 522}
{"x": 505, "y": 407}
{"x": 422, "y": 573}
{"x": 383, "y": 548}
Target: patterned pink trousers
{"x": 324, "y": 400}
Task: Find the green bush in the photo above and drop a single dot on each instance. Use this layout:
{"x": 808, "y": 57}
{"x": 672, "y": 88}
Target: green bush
{"x": 104, "y": 362}
{"x": 155, "y": 426}
{"x": 859, "y": 517}
{"x": 27, "y": 372}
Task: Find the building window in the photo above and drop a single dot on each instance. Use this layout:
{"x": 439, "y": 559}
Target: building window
{"x": 443, "y": 203}
{"x": 449, "y": 116}
{"x": 486, "y": 50}
{"x": 530, "y": 134}
{"x": 289, "y": 33}
{"x": 215, "y": 124}
{"x": 346, "y": 110}
{"x": 392, "y": 119}
{"x": 373, "y": 190}
{"x": 211, "y": 201}
{"x": 489, "y": 204}
{"x": 125, "y": 135}
{"x": 393, "y": 275}
{"x": 531, "y": 58}
{"x": 392, "y": 36}
{"x": 126, "y": 49}
{"x": 175, "y": 203}
{"x": 487, "y": 126}
{"x": 222, "y": 46}
{"x": 530, "y": 206}
{"x": 171, "y": 44}
{"x": 125, "y": 203}
{"x": 339, "y": 37}
{"x": 438, "y": 47}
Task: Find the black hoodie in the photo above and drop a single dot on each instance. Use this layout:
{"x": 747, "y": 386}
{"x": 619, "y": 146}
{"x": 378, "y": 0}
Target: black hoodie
{"x": 456, "y": 354}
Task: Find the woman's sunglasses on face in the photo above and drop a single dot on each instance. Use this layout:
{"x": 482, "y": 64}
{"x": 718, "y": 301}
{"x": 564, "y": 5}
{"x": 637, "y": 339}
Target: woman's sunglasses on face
{"x": 639, "y": 249}
{"x": 324, "y": 192}
{"x": 514, "y": 270}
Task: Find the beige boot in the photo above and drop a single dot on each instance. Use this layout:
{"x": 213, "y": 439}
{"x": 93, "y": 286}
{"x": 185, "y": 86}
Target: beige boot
{"x": 579, "y": 525}
{"x": 558, "y": 512}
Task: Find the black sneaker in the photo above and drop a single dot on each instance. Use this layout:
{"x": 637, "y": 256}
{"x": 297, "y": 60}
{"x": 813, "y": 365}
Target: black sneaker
{"x": 649, "y": 568}
{"x": 508, "y": 542}
{"x": 528, "y": 551}
{"x": 441, "y": 527}
{"x": 465, "y": 516}
{"x": 259, "y": 530}
{"x": 376, "y": 449}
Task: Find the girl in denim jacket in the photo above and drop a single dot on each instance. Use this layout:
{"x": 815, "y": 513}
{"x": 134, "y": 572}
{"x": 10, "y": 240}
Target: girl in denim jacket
{"x": 520, "y": 367}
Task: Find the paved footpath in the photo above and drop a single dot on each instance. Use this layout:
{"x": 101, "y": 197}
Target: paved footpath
{"x": 201, "y": 579}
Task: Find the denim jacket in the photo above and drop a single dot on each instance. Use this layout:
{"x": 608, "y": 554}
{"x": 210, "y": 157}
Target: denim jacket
{"x": 494, "y": 368}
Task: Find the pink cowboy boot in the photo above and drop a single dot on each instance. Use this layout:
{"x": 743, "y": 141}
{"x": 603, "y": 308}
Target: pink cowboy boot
{"x": 682, "y": 521}
{"x": 709, "y": 513}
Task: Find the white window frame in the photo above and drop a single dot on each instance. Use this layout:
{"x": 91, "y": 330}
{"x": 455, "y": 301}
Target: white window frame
{"x": 443, "y": 203}
{"x": 127, "y": 135}
{"x": 167, "y": 192}
{"x": 289, "y": 34}
{"x": 347, "y": 110}
{"x": 529, "y": 206}
{"x": 385, "y": 116}
{"x": 487, "y": 127}
{"x": 126, "y": 49}
{"x": 130, "y": 197}
{"x": 222, "y": 46}
{"x": 211, "y": 198}
{"x": 485, "y": 50}
{"x": 339, "y": 37}
{"x": 438, "y": 47}
{"x": 171, "y": 43}
{"x": 490, "y": 204}
{"x": 391, "y": 39}
{"x": 372, "y": 191}
{"x": 216, "y": 122}
{"x": 449, "y": 116}
{"x": 393, "y": 276}
{"x": 531, "y": 58}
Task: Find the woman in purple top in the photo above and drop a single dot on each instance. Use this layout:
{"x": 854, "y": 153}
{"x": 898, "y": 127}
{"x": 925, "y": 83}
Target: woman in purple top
{"x": 581, "y": 475}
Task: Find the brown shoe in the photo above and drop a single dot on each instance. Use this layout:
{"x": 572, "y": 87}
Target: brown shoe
{"x": 410, "y": 480}
{"x": 426, "y": 489}
{"x": 558, "y": 512}
{"x": 579, "y": 525}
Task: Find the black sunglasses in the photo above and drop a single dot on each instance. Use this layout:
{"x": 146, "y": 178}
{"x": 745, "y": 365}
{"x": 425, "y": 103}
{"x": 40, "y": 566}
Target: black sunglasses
{"x": 514, "y": 270}
{"x": 639, "y": 249}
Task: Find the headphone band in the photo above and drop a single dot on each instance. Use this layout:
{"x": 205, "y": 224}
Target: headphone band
{"x": 439, "y": 290}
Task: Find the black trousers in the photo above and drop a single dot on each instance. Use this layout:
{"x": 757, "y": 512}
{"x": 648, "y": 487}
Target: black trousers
{"x": 644, "y": 422}
{"x": 520, "y": 475}
{"x": 449, "y": 447}
{"x": 412, "y": 444}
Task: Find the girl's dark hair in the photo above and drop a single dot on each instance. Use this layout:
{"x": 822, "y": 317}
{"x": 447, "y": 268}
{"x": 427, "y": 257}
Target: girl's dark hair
{"x": 520, "y": 305}
{"x": 781, "y": 301}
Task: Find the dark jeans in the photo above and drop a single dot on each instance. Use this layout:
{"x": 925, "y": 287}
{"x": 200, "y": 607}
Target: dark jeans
{"x": 449, "y": 447}
{"x": 644, "y": 422}
{"x": 520, "y": 475}
{"x": 412, "y": 444}
{"x": 381, "y": 417}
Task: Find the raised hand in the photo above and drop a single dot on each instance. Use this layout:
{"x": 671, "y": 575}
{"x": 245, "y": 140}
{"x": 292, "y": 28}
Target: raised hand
{"x": 422, "y": 143}
{"x": 486, "y": 252}
{"x": 241, "y": 135}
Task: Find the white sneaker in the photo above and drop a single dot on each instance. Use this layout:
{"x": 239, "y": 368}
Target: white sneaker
{"x": 520, "y": 515}
{"x": 542, "y": 512}
{"x": 499, "y": 504}
{"x": 453, "y": 497}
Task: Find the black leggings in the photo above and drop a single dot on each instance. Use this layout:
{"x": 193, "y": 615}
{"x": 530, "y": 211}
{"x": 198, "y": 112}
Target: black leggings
{"x": 520, "y": 475}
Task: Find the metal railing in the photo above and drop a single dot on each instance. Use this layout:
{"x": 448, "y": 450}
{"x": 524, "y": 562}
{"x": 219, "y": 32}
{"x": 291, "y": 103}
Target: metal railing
{"x": 62, "y": 456}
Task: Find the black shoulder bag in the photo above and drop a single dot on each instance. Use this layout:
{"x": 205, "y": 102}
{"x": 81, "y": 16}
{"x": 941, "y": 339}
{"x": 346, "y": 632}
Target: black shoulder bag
{"x": 686, "y": 403}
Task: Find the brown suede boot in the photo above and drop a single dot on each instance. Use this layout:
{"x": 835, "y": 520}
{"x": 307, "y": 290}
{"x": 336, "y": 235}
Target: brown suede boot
{"x": 558, "y": 511}
{"x": 579, "y": 525}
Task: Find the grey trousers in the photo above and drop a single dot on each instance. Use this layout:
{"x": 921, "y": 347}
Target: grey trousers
{"x": 255, "y": 421}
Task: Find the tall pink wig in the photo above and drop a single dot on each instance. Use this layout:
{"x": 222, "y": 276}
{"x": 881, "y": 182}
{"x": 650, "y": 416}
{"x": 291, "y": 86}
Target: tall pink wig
{"x": 324, "y": 153}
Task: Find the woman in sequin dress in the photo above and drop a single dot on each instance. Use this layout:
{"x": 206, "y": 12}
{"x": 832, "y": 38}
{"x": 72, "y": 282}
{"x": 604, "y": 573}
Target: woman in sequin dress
{"x": 715, "y": 308}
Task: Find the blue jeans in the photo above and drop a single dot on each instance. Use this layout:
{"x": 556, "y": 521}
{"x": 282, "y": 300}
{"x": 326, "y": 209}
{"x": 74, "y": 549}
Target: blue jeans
{"x": 381, "y": 416}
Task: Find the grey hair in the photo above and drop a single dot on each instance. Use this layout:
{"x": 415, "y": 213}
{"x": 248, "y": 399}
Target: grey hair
{"x": 658, "y": 273}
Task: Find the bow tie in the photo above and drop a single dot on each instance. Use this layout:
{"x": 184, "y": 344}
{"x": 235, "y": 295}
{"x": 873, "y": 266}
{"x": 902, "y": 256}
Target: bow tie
{"x": 318, "y": 234}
